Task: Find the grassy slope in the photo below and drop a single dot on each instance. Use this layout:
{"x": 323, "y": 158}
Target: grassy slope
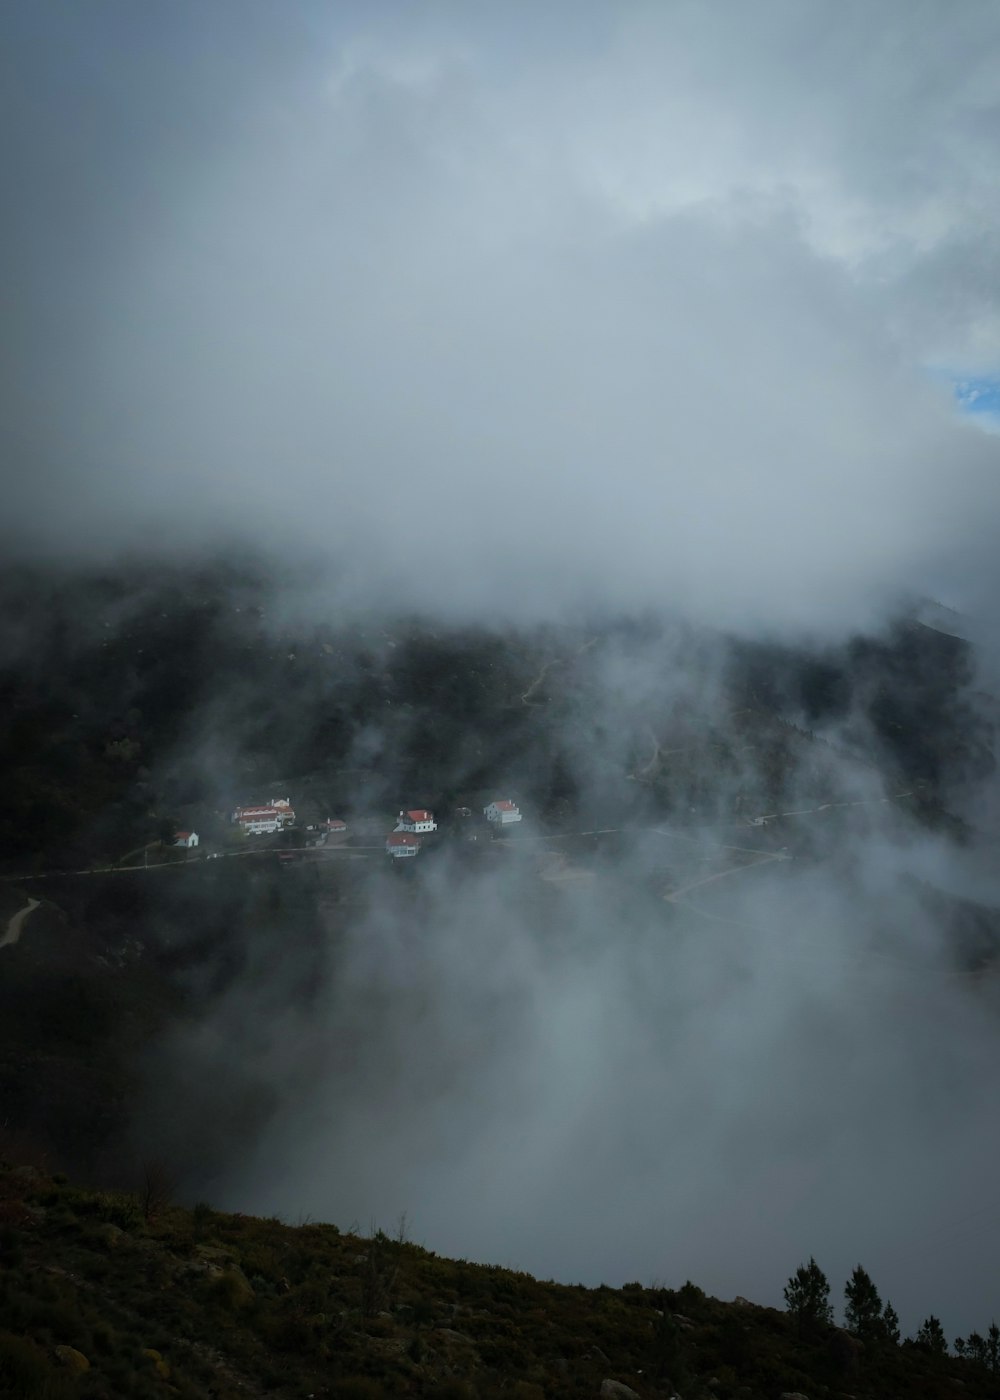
{"x": 197, "y": 1303}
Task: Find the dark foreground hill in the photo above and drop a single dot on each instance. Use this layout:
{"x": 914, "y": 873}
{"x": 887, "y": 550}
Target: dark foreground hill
{"x": 117, "y": 1295}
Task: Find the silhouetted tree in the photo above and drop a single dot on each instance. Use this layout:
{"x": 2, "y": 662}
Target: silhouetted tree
{"x": 975, "y": 1348}
{"x": 863, "y": 1312}
{"x": 156, "y": 1188}
{"x": 890, "y": 1324}
{"x": 807, "y": 1296}
{"x": 985, "y": 1351}
{"x": 931, "y": 1335}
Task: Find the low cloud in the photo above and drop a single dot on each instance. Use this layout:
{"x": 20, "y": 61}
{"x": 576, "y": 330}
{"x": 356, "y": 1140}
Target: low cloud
{"x": 500, "y": 318}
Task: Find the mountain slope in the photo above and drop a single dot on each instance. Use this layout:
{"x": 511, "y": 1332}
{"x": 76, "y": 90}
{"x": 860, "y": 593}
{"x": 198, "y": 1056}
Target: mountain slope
{"x": 116, "y": 1295}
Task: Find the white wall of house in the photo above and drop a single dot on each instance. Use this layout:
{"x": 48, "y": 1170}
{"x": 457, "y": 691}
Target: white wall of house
{"x": 262, "y": 820}
{"x": 260, "y": 826}
{"x": 402, "y": 852}
{"x": 502, "y": 816}
{"x": 189, "y": 839}
{"x": 406, "y": 823}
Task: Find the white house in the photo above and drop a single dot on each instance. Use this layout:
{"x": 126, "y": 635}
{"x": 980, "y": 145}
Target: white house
{"x": 502, "y": 813}
{"x": 260, "y": 821}
{"x": 401, "y": 845}
{"x": 417, "y": 820}
{"x": 335, "y": 827}
{"x": 189, "y": 839}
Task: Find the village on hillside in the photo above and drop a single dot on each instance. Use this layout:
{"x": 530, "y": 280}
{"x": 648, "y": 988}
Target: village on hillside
{"x": 412, "y": 827}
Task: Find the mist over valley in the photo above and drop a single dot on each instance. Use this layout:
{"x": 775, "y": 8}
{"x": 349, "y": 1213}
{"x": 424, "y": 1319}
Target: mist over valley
{"x": 499, "y": 684}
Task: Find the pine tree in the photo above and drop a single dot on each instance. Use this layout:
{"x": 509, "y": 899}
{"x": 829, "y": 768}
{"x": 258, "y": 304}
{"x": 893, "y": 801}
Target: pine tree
{"x": 993, "y": 1348}
{"x": 807, "y": 1296}
{"x": 931, "y": 1335}
{"x": 890, "y": 1324}
{"x": 975, "y": 1348}
{"x": 863, "y": 1313}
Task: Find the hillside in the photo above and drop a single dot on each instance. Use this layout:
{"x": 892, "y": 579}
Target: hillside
{"x": 114, "y": 1295}
{"x": 145, "y": 695}
{"x": 137, "y": 1005}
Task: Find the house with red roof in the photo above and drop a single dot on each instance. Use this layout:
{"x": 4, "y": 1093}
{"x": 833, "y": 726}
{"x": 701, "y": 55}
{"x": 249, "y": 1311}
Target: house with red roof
{"x": 502, "y": 812}
{"x": 188, "y": 839}
{"x": 401, "y": 845}
{"x": 419, "y": 819}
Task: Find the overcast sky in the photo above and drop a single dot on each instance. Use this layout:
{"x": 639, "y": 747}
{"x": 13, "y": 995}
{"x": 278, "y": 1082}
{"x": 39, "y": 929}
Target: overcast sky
{"x": 592, "y": 302}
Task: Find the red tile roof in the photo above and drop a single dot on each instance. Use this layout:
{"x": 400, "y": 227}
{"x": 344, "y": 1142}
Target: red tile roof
{"x": 181, "y": 835}
{"x": 402, "y": 838}
{"x": 420, "y": 815}
{"x": 505, "y": 806}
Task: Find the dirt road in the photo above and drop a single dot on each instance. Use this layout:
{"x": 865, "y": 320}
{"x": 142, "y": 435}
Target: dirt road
{"x": 16, "y": 923}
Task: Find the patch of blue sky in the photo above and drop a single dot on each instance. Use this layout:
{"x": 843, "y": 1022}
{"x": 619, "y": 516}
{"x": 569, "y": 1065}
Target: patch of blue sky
{"x": 979, "y": 397}
{"x": 976, "y": 396}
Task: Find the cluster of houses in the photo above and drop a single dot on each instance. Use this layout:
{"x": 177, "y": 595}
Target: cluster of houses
{"x": 402, "y": 843}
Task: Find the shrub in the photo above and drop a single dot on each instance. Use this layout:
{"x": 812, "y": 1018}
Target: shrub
{"x": 358, "y": 1388}
{"x": 26, "y": 1372}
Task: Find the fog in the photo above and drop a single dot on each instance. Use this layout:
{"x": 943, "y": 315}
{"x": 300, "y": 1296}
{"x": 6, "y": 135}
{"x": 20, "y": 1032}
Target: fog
{"x": 691, "y": 1049}
{"x": 511, "y": 317}
{"x": 620, "y": 304}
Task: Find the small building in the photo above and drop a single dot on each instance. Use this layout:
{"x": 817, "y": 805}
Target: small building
{"x": 417, "y": 820}
{"x": 502, "y": 813}
{"x": 401, "y": 845}
{"x": 261, "y": 821}
{"x": 188, "y": 839}
{"x": 333, "y": 826}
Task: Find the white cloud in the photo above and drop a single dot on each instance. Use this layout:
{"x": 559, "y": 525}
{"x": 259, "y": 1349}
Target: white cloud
{"x": 634, "y": 299}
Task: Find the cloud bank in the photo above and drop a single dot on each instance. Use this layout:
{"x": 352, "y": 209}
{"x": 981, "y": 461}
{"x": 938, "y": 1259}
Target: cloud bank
{"x": 628, "y": 304}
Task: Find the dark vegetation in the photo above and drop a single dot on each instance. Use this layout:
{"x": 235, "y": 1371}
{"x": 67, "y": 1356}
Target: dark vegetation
{"x": 119, "y": 1295}
{"x": 138, "y": 698}
{"x": 110, "y": 964}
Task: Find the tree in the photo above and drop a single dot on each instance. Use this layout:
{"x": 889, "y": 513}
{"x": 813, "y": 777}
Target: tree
{"x": 931, "y": 1335}
{"x": 890, "y": 1324}
{"x": 156, "y": 1188}
{"x": 993, "y": 1348}
{"x": 975, "y": 1348}
{"x": 863, "y": 1313}
{"x": 807, "y": 1296}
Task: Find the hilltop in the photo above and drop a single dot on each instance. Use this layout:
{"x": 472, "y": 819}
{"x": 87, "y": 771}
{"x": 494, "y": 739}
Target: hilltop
{"x": 116, "y": 1295}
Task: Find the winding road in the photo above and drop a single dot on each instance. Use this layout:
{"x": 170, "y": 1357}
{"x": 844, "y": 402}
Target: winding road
{"x": 15, "y": 924}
